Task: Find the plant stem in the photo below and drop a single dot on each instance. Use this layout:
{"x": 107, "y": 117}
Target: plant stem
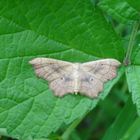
{"x": 127, "y": 59}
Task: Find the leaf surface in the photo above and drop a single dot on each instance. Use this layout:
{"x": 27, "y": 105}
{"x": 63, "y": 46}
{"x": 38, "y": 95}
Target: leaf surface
{"x": 133, "y": 77}
{"x": 120, "y": 10}
{"x": 69, "y": 30}
{"x": 120, "y": 126}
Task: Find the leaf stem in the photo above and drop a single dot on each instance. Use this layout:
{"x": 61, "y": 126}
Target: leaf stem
{"x": 127, "y": 59}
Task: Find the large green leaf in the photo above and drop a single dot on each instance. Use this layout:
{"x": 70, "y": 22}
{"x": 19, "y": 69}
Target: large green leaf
{"x": 133, "y": 133}
{"x": 135, "y": 4}
{"x": 133, "y": 77}
{"x": 120, "y": 10}
{"x": 69, "y": 30}
{"x": 123, "y": 121}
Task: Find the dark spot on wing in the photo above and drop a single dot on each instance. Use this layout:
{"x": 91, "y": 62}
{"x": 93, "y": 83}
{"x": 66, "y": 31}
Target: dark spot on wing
{"x": 88, "y": 79}
{"x": 67, "y": 79}
{"x": 98, "y": 68}
{"x": 56, "y": 68}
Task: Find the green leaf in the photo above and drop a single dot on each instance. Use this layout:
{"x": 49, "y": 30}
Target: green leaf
{"x": 120, "y": 10}
{"x": 69, "y": 30}
{"x": 135, "y": 4}
{"x": 136, "y": 55}
{"x": 133, "y": 79}
{"x": 133, "y": 132}
{"x": 123, "y": 121}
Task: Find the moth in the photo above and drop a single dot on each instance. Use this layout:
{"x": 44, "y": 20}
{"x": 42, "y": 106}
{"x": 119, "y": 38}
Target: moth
{"x": 84, "y": 78}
